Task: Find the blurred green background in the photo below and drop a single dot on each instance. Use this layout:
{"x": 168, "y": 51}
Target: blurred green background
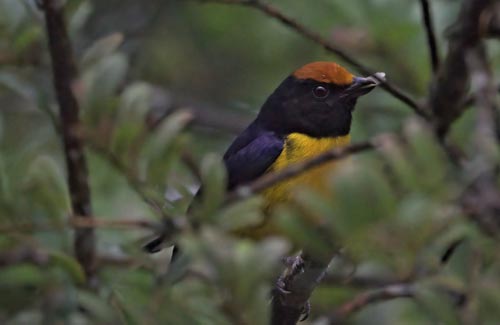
{"x": 175, "y": 60}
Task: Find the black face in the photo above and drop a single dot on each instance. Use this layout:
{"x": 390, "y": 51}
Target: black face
{"x": 311, "y": 107}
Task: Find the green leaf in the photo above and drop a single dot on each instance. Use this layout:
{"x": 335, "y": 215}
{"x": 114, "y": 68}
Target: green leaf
{"x": 21, "y": 275}
{"x": 161, "y": 151}
{"x": 80, "y": 18}
{"x": 12, "y": 13}
{"x": 303, "y": 233}
{"x": 438, "y": 304}
{"x": 26, "y": 39}
{"x": 96, "y": 306}
{"x": 213, "y": 175}
{"x": 103, "y": 79}
{"x": 69, "y": 265}
{"x": 102, "y": 48}
{"x": 46, "y": 184}
{"x": 396, "y": 157}
{"x": 135, "y": 102}
{"x": 17, "y": 85}
{"x": 170, "y": 129}
{"x": 427, "y": 157}
{"x": 362, "y": 197}
{"x": 241, "y": 214}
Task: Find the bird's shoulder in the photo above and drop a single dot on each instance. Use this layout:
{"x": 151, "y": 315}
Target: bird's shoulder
{"x": 251, "y": 154}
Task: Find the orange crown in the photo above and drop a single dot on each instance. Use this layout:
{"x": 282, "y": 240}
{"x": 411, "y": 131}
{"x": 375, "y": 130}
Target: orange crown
{"x": 328, "y": 72}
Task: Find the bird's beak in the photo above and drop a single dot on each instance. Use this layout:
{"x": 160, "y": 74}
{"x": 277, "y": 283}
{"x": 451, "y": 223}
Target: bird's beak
{"x": 361, "y": 86}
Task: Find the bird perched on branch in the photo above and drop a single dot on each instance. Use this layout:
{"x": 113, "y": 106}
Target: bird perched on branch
{"x": 309, "y": 113}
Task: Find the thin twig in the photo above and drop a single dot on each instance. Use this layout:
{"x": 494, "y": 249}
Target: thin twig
{"x": 361, "y": 281}
{"x": 83, "y": 222}
{"x": 329, "y": 46}
{"x": 65, "y": 74}
{"x": 370, "y": 297}
{"x": 268, "y": 180}
{"x": 92, "y": 222}
{"x": 42, "y": 257}
{"x": 431, "y": 36}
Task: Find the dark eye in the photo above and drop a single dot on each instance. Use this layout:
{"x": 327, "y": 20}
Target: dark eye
{"x": 320, "y": 92}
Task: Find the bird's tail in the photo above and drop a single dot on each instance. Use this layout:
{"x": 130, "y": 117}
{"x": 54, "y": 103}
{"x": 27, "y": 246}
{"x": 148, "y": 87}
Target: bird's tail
{"x": 155, "y": 245}
{"x": 177, "y": 263}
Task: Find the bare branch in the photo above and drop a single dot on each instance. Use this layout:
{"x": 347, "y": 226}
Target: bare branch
{"x": 92, "y": 222}
{"x": 492, "y": 22}
{"x": 295, "y": 286}
{"x": 370, "y": 297}
{"x": 83, "y": 222}
{"x": 431, "y": 36}
{"x": 481, "y": 200}
{"x": 360, "y": 281}
{"x": 487, "y": 106}
{"x": 65, "y": 74}
{"x": 327, "y": 45}
{"x": 41, "y": 257}
{"x": 448, "y": 93}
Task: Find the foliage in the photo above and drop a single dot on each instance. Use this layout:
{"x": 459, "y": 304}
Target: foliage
{"x": 167, "y": 78}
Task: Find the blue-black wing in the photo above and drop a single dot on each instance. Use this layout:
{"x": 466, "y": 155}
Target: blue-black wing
{"x": 251, "y": 154}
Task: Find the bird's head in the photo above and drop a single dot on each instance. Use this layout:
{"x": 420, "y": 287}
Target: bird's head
{"x": 317, "y": 100}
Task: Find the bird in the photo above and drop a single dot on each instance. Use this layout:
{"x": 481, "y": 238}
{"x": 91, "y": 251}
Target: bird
{"x": 310, "y": 112}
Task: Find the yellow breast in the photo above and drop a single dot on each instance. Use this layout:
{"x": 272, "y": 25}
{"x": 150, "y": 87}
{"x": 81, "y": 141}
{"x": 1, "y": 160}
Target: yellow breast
{"x": 299, "y": 147}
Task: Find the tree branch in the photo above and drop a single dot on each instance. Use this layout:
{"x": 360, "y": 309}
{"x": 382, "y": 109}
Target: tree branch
{"x": 327, "y": 45}
{"x": 370, "y": 297}
{"x": 481, "y": 200}
{"x": 64, "y": 75}
{"x": 41, "y": 257}
{"x": 93, "y": 222}
{"x": 487, "y": 107}
{"x": 431, "y": 36}
{"x": 296, "y": 285}
{"x": 448, "y": 93}
{"x": 493, "y": 30}
{"x": 362, "y": 281}
{"x": 83, "y": 222}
